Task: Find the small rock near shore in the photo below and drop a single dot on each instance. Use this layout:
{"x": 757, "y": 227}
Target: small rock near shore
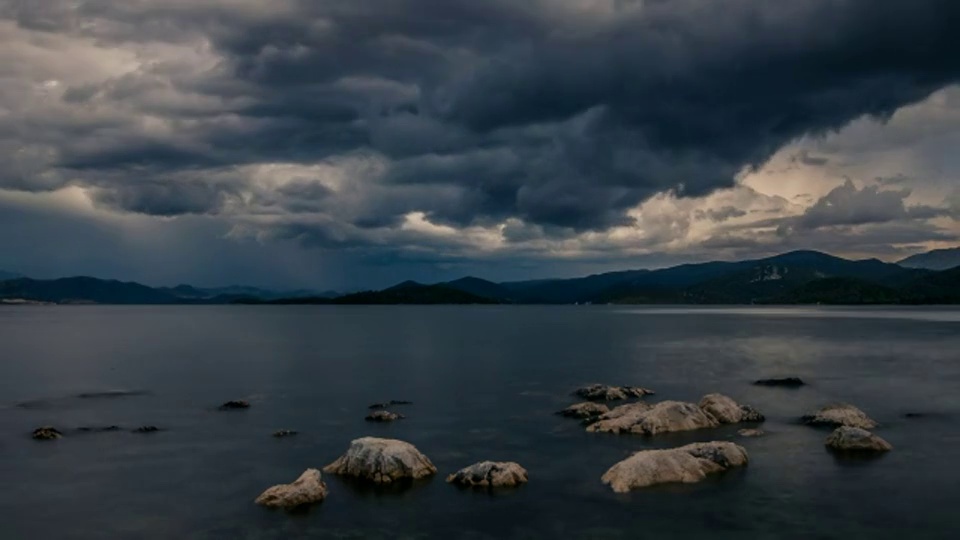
{"x": 309, "y": 488}
{"x": 585, "y": 410}
{"x": 46, "y": 433}
{"x": 491, "y": 474}
{"x": 751, "y": 433}
{"x": 839, "y": 414}
{"x": 852, "y": 439}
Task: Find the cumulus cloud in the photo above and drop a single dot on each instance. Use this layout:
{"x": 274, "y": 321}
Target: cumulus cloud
{"x": 454, "y": 127}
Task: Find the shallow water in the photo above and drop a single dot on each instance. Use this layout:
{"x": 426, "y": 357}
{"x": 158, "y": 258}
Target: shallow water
{"x": 485, "y": 382}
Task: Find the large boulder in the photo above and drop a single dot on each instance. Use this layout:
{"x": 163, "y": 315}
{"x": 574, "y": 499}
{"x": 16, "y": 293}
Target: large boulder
{"x": 853, "y": 439}
{"x": 585, "y": 410}
{"x": 686, "y": 464}
{"x": 728, "y": 411}
{"x": 663, "y": 417}
{"x": 46, "y": 433}
{"x": 382, "y": 461}
{"x": 603, "y": 392}
{"x": 490, "y": 474}
{"x": 307, "y": 489}
{"x": 840, "y": 414}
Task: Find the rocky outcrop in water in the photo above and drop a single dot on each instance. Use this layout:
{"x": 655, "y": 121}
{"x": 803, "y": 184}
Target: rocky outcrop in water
{"x": 382, "y": 461}
{"x": 670, "y": 416}
{"x": 751, "y": 433}
{"x": 284, "y": 433}
{"x": 46, "y": 433}
{"x": 235, "y": 404}
{"x": 586, "y": 410}
{"x": 603, "y": 392}
{"x": 491, "y": 474}
{"x": 146, "y": 429}
{"x": 309, "y": 488}
{"x": 383, "y": 416}
{"x": 728, "y": 411}
{"x": 853, "y": 439}
{"x": 686, "y": 464}
{"x": 840, "y": 414}
{"x": 788, "y": 382}
{"x": 97, "y": 429}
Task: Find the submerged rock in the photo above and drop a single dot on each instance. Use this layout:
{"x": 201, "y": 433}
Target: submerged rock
{"x": 284, "y": 433}
{"x": 98, "y": 429}
{"x": 751, "y": 433}
{"x": 146, "y": 429}
{"x": 383, "y": 416}
{"x": 382, "y": 461}
{"x": 853, "y": 439}
{"x": 839, "y": 414}
{"x": 603, "y": 392}
{"x": 46, "y": 433}
{"x": 309, "y": 488}
{"x": 386, "y": 404}
{"x": 789, "y": 382}
{"x": 686, "y": 464}
{"x": 585, "y": 410}
{"x": 728, "y": 411}
{"x": 490, "y": 474}
{"x": 235, "y": 404}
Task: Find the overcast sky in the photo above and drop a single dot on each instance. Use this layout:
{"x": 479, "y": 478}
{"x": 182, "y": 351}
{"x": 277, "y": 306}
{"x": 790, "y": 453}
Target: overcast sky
{"x": 342, "y": 144}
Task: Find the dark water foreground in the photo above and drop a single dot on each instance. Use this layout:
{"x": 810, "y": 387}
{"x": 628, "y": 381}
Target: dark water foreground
{"x": 485, "y": 381}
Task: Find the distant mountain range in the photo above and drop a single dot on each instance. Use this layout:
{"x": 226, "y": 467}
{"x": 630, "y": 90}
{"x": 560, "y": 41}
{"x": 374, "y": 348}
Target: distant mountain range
{"x": 798, "y": 277}
{"x": 938, "y": 259}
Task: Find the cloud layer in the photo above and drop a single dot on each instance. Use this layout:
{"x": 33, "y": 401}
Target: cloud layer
{"x": 460, "y": 130}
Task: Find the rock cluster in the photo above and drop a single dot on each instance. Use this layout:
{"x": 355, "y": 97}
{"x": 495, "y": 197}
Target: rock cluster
{"x": 686, "y": 464}
{"x": 603, "y": 392}
{"x": 671, "y": 416}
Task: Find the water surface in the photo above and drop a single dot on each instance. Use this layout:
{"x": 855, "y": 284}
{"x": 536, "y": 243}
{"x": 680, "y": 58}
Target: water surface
{"x": 485, "y": 382}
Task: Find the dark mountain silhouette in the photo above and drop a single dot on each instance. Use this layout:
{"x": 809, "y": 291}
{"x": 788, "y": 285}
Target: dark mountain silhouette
{"x": 938, "y": 259}
{"x": 799, "y": 277}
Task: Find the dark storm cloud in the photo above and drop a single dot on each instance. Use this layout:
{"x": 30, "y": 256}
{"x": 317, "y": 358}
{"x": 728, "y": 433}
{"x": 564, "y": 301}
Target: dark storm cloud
{"x": 848, "y": 205}
{"x": 562, "y": 115}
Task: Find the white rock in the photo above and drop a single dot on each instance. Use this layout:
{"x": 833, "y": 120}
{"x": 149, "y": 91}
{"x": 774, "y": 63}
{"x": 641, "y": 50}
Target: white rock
{"x": 686, "y": 464}
{"x": 840, "y": 414}
{"x": 853, "y": 439}
{"x": 490, "y": 474}
{"x": 382, "y": 461}
{"x": 307, "y": 489}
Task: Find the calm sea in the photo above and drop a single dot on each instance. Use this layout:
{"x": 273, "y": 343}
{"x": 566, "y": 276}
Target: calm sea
{"x": 485, "y": 382}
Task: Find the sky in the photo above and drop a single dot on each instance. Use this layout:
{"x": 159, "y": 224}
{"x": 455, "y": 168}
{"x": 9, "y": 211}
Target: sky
{"x": 346, "y": 144}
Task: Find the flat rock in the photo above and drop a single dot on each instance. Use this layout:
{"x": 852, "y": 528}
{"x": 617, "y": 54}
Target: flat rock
{"x": 853, "y": 439}
{"x": 235, "y": 404}
{"x": 789, "y": 382}
{"x": 284, "y": 433}
{"x": 383, "y": 416}
{"x": 308, "y": 489}
{"x": 603, "y": 392}
{"x": 728, "y": 411}
{"x": 662, "y": 417}
{"x": 840, "y": 414}
{"x": 490, "y": 474}
{"x": 686, "y": 464}
{"x": 587, "y": 409}
{"x": 751, "y": 433}
{"x": 382, "y": 461}
{"x": 46, "y": 433}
